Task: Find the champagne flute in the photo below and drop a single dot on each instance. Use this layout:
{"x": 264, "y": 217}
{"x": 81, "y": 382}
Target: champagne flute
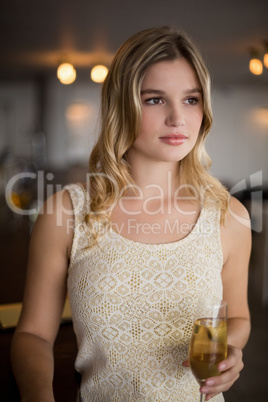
{"x": 208, "y": 346}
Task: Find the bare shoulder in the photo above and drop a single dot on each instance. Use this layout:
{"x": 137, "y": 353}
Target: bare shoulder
{"x": 238, "y": 213}
{"x": 58, "y": 202}
{"x": 237, "y": 218}
{"x": 236, "y": 229}
{"x": 55, "y": 220}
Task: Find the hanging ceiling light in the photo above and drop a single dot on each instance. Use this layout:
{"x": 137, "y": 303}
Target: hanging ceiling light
{"x": 98, "y": 73}
{"x": 255, "y": 64}
{"x": 66, "y": 73}
{"x": 265, "y": 57}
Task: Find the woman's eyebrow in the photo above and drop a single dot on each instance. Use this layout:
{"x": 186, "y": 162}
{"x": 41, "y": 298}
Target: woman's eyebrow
{"x": 160, "y": 92}
{"x": 152, "y": 91}
{"x": 193, "y": 90}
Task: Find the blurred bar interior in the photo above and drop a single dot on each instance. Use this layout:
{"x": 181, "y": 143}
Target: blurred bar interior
{"x": 47, "y": 129}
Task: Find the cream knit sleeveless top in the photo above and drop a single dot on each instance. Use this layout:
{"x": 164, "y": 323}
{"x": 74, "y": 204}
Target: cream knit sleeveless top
{"x": 133, "y": 308}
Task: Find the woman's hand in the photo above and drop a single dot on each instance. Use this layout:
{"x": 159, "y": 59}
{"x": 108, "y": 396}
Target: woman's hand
{"x": 230, "y": 371}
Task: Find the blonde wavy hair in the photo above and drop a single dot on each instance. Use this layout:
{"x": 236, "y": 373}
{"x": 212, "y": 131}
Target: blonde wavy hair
{"x": 121, "y": 118}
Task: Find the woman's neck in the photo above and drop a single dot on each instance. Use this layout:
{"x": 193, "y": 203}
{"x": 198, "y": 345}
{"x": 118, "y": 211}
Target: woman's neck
{"x": 155, "y": 178}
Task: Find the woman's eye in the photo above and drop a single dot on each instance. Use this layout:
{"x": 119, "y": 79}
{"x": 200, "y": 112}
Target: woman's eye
{"x": 154, "y": 101}
{"x": 192, "y": 101}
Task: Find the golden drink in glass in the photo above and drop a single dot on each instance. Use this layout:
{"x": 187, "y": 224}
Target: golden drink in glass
{"x": 208, "y": 346}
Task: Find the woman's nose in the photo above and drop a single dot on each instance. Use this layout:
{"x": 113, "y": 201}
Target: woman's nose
{"x": 175, "y": 117}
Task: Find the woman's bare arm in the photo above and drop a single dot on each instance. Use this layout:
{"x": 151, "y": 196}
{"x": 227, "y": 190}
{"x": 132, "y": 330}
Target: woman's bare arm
{"x": 236, "y": 239}
{"x": 45, "y": 292}
{"x": 236, "y": 242}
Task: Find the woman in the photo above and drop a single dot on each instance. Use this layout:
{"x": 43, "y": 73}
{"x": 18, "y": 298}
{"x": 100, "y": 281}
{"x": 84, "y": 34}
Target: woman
{"x": 150, "y": 233}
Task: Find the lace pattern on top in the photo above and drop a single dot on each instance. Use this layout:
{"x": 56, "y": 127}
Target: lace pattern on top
{"x": 133, "y": 308}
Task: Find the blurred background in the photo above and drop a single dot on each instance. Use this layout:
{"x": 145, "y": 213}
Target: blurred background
{"x": 47, "y": 129}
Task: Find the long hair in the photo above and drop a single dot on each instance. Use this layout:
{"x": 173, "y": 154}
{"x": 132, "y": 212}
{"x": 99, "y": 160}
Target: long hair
{"x": 121, "y": 119}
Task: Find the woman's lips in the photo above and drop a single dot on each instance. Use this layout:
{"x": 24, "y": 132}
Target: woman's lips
{"x": 173, "y": 139}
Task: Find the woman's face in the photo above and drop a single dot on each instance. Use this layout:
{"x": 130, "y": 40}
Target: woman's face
{"x": 172, "y": 112}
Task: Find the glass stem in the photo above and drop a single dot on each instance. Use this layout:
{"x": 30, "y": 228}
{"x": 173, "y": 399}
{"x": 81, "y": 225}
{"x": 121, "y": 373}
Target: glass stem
{"x": 202, "y": 397}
